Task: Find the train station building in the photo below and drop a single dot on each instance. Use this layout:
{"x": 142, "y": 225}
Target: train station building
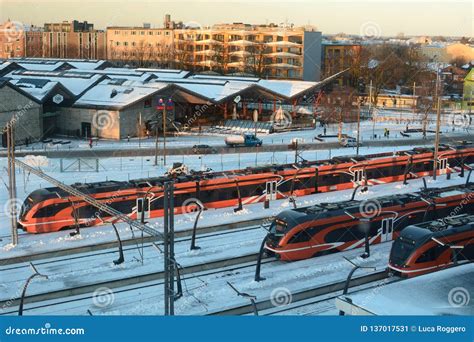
{"x": 91, "y": 98}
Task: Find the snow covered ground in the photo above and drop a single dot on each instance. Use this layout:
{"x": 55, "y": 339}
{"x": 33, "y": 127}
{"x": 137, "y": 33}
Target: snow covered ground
{"x": 367, "y": 130}
{"x": 208, "y": 293}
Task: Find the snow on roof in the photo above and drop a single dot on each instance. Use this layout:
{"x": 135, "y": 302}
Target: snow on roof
{"x": 37, "y": 90}
{"x": 216, "y": 92}
{"x": 428, "y": 294}
{"x": 87, "y": 64}
{"x": 287, "y": 89}
{"x": 76, "y": 83}
{"x": 110, "y": 95}
{"x": 31, "y": 65}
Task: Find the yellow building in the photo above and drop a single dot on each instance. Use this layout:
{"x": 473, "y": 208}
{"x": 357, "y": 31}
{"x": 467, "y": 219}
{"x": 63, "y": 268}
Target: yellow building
{"x": 468, "y": 92}
{"x": 262, "y": 51}
{"x": 140, "y": 44}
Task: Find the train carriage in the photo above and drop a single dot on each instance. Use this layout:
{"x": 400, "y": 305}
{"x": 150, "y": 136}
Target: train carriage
{"x": 434, "y": 245}
{"x": 330, "y": 227}
{"x": 51, "y": 209}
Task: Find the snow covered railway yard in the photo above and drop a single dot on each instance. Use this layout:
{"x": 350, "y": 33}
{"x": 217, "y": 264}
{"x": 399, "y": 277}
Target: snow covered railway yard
{"x": 209, "y": 292}
{"x": 225, "y": 256}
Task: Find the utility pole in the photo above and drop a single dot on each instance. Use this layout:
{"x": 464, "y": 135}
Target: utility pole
{"x": 12, "y": 180}
{"x": 358, "y": 129}
{"x": 164, "y": 135}
{"x": 170, "y": 263}
{"x": 156, "y": 141}
{"x": 438, "y": 124}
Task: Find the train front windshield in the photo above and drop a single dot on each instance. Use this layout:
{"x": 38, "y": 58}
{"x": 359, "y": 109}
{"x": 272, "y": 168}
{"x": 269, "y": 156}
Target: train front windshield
{"x": 401, "y": 250}
{"x": 278, "y": 228}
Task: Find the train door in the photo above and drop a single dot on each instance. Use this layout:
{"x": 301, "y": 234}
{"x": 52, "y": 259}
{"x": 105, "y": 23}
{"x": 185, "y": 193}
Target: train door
{"x": 443, "y": 165}
{"x": 358, "y": 176}
{"x": 387, "y": 230}
{"x": 143, "y": 206}
{"x": 271, "y": 190}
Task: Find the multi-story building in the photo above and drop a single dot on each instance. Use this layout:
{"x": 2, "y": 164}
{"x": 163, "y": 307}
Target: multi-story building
{"x": 263, "y": 51}
{"x": 338, "y": 56}
{"x": 73, "y": 40}
{"x": 12, "y": 36}
{"x": 34, "y": 42}
{"x": 141, "y": 45}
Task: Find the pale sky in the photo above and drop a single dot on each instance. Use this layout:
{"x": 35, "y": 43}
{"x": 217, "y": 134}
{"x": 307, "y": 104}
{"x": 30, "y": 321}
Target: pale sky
{"x": 421, "y": 17}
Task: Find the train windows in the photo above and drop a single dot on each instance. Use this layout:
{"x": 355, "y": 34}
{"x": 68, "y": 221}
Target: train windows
{"x": 302, "y": 236}
{"x": 50, "y": 210}
{"x": 358, "y": 176}
{"x": 271, "y": 190}
{"x": 431, "y": 254}
{"x": 401, "y": 250}
{"x": 344, "y": 234}
{"x": 278, "y": 228}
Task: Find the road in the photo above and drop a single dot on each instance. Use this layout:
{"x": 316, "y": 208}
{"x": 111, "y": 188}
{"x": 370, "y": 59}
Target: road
{"x": 103, "y": 153}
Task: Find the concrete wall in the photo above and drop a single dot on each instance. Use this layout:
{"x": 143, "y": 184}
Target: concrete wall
{"x": 312, "y": 56}
{"x": 26, "y": 115}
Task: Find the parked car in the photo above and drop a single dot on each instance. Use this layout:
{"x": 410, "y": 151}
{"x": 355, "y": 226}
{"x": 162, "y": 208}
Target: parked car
{"x": 349, "y": 142}
{"x": 204, "y": 149}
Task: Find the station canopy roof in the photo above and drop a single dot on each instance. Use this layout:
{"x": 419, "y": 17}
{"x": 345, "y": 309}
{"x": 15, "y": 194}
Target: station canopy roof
{"x": 92, "y": 83}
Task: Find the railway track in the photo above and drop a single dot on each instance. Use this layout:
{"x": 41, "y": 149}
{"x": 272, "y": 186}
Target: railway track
{"x": 208, "y": 265}
{"x": 128, "y": 242}
{"x": 303, "y": 294}
{"x": 199, "y": 270}
{"x": 140, "y": 287}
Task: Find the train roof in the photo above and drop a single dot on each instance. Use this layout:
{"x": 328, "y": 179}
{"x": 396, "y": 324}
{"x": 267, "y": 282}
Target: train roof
{"x": 353, "y": 206}
{"x": 419, "y": 233}
{"x": 98, "y": 187}
{"x": 429, "y": 294}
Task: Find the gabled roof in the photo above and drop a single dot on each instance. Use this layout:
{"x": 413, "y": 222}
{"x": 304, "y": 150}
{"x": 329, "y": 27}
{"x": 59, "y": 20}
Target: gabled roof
{"x": 41, "y": 89}
{"x": 5, "y": 82}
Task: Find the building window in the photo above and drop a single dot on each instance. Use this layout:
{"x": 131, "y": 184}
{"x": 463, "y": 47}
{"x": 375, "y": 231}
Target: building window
{"x": 147, "y": 103}
{"x": 134, "y": 33}
{"x": 167, "y": 33}
{"x": 150, "y": 33}
{"x": 142, "y": 33}
{"x": 158, "y": 33}
{"x": 125, "y": 43}
{"x": 133, "y": 44}
{"x": 117, "y": 43}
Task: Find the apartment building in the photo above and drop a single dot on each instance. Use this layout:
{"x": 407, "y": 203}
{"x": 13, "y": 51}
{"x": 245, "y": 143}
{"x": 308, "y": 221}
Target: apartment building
{"x": 140, "y": 45}
{"x": 338, "y": 56}
{"x": 72, "y": 40}
{"x": 264, "y": 51}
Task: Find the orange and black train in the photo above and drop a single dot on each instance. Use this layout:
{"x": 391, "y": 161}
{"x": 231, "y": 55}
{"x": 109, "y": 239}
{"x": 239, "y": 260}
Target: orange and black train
{"x": 52, "y": 209}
